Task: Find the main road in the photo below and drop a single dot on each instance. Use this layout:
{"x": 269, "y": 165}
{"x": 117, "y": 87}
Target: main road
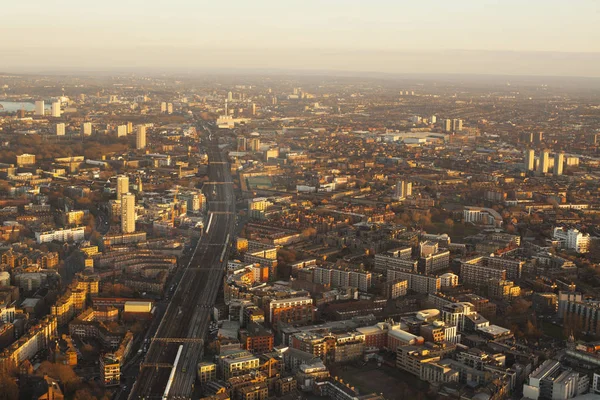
{"x": 170, "y": 368}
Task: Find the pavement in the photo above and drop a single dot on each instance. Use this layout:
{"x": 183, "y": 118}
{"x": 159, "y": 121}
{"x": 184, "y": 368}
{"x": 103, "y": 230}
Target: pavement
{"x": 187, "y": 317}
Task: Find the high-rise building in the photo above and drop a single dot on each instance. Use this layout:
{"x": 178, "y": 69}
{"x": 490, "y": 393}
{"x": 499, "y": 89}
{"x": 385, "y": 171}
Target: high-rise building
{"x": 432, "y": 119}
{"x": 538, "y": 138}
{"x": 403, "y": 190}
{"x": 169, "y": 108}
{"x": 56, "y": 109}
{"x": 86, "y": 129}
{"x": 39, "y": 107}
{"x": 229, "y": 96}
{"x": 447, "y": 125}
{"x": 140, "y": 137}
{"x": 122, "y": 185}
{"x": 253, "y": 108}
{"x": 129, "y": 127}
{"x": 163, "y": 107}
{"x": 530, "y": 160}
{"x": 255, "y": 144}
{"x": 544, "y": 161}
{"x": 60, "y": 129}
{"x": 457, "y": 125}
{"x": 121, "y": 130}
{"x": 241, "y": 143}
{"x": 559, "y": 160}
{"x": 128, "y": 213}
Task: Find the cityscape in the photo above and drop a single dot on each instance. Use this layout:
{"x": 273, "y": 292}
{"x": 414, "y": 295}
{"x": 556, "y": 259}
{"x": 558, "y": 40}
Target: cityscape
{"x": 283, "y": 234}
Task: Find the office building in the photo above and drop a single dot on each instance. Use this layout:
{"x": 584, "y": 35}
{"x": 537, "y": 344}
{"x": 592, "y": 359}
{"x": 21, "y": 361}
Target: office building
{"x": 122, "y": 185}
{"x": 40, "y": 108}
{"x": 403, "y": 190}
{"x": 254, "y": 144}
{"x": 128, "y": 213}
{"x": 86, "y": 129}
{"x": 457, "y": 125}
{"x": 140, "y": 137}
{"x": 60, "y": 129}
{"x": 121, "y": 130}
{"x": 559, "y": 160}
{"x": 56, "y": 109}
{"x": 241, "y": 144}
{"x": 538, "y": 138}
{"x": 447, "y": 125}
{"x": 544, "y": 162}
{"x": 530, "y": 160}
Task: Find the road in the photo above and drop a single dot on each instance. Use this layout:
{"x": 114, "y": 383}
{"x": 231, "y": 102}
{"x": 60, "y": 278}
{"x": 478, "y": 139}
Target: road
{"x": 185, "y": 322}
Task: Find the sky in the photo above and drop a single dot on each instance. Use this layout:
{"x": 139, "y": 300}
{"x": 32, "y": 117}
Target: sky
{"x": 530, "y": 37}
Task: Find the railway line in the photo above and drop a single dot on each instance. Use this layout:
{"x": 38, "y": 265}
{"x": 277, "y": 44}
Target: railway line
{"x": 179, "y": 340}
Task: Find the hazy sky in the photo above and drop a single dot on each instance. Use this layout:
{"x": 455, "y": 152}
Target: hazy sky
{"x": 354, "y": 35}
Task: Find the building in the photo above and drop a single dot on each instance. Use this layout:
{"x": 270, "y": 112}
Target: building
{"x": 342, "y": 278}
{"x": 25, "y": 160}
{"x": 544, "y": 162}
{"x": 553, "y": 381}
{"x": 122, "y": 185}
{"x": 416, "y": 282}
{"x": 399, "y": 259}
{"x": 56, "y": 112}
{"x": 40, "y": 108}
{"x": 582, "y": 315}
{"x": 559, "y": 161}
{"x": 60, "y": 129}
{"x": 110, "y": 370}
{"x": 479, "y": 275}
{"x": 572, "y": 239}
{"x": 255, "y": 144}
{"x": 296, "y": 310}
{"x": 238, "y": 364}
{"x": 86, "y": 129}
{"x": 256, "y": 338}
{"x": 121, "y": 130}
{"x": 403, "y": 190}
{"x": 457, "y": 125}
{"x": 242, "y": 144}
{"x": 530, "y": 160}
{"x": 412, "y": 358}
{"x": 449, "y": 280}
{"x": 140, "y": 137}
{"x": 482, "y": 216}
{"x": 37, "y": 338}
{"x": 75, "y": 234}
{"x": 434, "y": 262}
{"x": 128, "y": 213}
{"x": 207, "y": 372}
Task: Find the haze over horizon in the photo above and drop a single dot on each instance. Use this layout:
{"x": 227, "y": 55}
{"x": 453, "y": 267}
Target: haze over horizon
{"x": 546, "y": 38}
